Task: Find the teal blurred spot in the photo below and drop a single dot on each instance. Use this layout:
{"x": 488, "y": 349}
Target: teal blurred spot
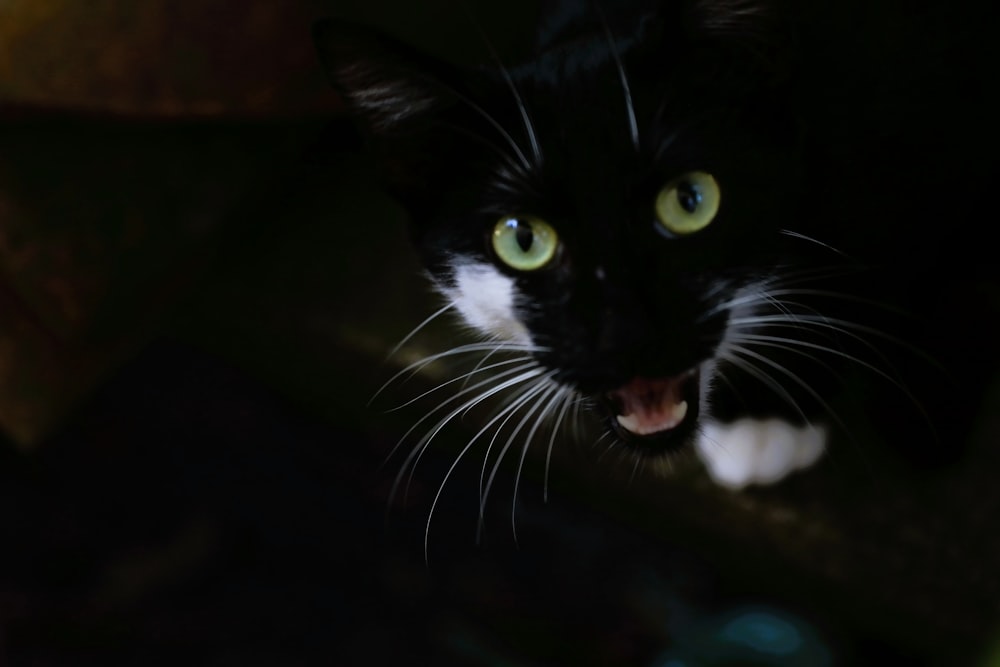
{"x": 748, "y": 636}
{"x": 763, "y": 632}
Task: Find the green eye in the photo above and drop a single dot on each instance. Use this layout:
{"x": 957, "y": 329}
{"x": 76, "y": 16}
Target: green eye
{"x": 524, "y": 244}
{"x": 689, "y": 203}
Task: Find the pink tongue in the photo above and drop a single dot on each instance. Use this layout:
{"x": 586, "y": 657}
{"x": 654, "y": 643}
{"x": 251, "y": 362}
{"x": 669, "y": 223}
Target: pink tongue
{"x": 649, "y": 406}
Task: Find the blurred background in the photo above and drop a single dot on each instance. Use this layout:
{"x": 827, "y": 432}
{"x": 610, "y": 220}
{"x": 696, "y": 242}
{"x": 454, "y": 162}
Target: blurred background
{"x": 199, "y": 284}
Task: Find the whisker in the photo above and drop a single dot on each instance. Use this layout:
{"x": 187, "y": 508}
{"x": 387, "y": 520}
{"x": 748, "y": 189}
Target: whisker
{"x": 543, "y": 387}
{"x": 420, "y": 326}
{"x": 567, "y": 401}
{"x": 489, "y": 119}
{"x": 841, "y": 326}
{"x": 532, "y": 372}
{"x": 639, "y": 462}
{"x": 822, "y": 322}
{"x": 829, "y": 294}
{"x": 743, "y": 297}
{"x": 507, "y": 413}
{"x": 414, "y": 457}
{"x": 599, "y": 440}
{"x": 521, "y": 107}
{"x": 789, "y": 344}
{"x": 518, "y": 170}
{"x": 715, "y": 443}
{"x": 465, "y": 376}
{"x": 437, "y": 496}
{"x": 486, "y": 356}
{"x": 557, "y": 394}
{"x": 630, "y": 108}
{"x": 797, "y": 235}
{"x": 527, "y": 394}
{"x": 729, "y": 383}
{"x": 799, "y": 381}
{"x": 767, "y": 289}
{"x": 416, "y": 366}
{"x": 768, "y": 380}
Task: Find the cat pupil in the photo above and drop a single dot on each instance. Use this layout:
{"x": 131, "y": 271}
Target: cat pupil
{"x": 688, "y": 196}
{"x": 524, "y": 235}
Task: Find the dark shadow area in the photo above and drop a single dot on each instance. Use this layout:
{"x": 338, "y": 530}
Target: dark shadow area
{"x": 189, "y": 514}
{"x": 195, "y": 312}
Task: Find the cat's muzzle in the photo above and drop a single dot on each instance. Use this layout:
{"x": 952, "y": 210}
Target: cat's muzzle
{"x": 655, "y": 414}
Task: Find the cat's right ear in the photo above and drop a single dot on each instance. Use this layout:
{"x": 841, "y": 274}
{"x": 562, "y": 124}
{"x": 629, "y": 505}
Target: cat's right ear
{"x": 386, "y": 84}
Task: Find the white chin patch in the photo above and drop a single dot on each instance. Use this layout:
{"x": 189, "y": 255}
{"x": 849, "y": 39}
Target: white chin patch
{"x": 754, "y": 451}
{"x": 485, "y": 299}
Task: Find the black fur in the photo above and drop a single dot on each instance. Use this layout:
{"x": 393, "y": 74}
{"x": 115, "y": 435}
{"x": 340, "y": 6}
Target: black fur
{"x": 858, "y": 128}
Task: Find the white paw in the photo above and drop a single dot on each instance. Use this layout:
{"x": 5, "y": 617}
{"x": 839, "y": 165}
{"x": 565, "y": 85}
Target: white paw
{"x": 755, "y": 451}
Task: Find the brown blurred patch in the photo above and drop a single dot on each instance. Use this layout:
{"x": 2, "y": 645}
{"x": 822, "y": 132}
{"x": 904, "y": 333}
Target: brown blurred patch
{"x": 106, "y": 212}
{"x": 103, "y": 227}
{"x": 161, "y": 57}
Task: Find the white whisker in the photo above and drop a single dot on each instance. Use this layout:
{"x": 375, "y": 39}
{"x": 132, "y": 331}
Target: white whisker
{"x": 765, "y": 378}
{"x": 499, "y": 347}
{"x": 522, "y": 108}
{"x": 515, "y": 404}
{"x": 485, "y": 115}
{"x": 841, "y": 326}
{"x": 789, "y": 344}
{"x": 633, "y": 125}
{"x": 547, "y": 389}
{"x": 557, "y": 394}
{"x": 567, "y": 401}
{"x": 445, "y": 403}
{"x": 420, "y": 364}
{"x": 797, "y": 235}
{"x": 465, "y": 376}
{"x": 799, "y": 381}
{"x": 640, "y": 461}
{"x": 406, "y": 339}
{"x": 530, "y": 392}
{"x": 413, "y": 458}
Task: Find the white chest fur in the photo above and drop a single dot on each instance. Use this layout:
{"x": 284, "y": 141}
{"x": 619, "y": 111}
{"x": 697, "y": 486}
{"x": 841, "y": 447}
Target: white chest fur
{"x": 754, "y": 451}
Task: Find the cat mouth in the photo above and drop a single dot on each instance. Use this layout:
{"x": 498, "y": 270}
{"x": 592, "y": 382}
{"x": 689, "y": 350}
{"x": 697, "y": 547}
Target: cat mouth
{"x": 652, "y": 411}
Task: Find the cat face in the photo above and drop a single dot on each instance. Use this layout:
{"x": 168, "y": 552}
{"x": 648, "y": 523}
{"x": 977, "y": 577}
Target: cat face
{"x": 614, "y": 205}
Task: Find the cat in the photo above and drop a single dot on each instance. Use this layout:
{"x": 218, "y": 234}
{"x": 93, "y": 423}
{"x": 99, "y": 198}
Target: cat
{"x": 737, "y": 226}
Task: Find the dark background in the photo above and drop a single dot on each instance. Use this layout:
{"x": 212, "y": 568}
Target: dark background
{"x": 199, "y": 282}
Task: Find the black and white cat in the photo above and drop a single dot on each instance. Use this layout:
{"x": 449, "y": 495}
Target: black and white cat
{"x": 704, "y": 220}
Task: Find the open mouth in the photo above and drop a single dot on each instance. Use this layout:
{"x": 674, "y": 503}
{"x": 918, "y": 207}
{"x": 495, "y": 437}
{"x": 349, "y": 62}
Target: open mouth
{"x": 655, "y": 414}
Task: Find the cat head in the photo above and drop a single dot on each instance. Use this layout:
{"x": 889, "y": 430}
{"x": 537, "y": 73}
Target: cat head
{"x": 612, "y": 203}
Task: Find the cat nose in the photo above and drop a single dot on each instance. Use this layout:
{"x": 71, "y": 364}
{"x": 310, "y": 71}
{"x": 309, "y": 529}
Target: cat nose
{"x": 619, "y": 329}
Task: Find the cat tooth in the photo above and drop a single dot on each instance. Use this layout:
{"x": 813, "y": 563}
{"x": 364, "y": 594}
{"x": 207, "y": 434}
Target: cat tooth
{"x": 635, "y": 425}
{"x": 630, "y": 422}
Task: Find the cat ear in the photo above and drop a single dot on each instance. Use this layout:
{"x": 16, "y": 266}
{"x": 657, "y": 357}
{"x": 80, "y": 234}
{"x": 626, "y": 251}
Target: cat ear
{"x": 741, "y": 20}
{"x": 385, "y": 83}
{"x": 404, "y": 101}
{"x": 752, "y": 32}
